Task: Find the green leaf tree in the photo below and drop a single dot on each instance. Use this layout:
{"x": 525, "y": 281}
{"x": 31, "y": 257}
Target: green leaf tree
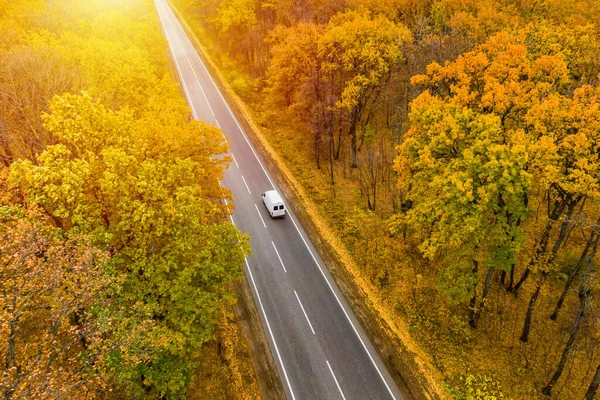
{"x": 159, "y": 215}
{"x": 466, "y": 182}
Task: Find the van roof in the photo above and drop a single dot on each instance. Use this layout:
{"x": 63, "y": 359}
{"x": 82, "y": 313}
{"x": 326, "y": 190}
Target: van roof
{"x": 274, "y": 196}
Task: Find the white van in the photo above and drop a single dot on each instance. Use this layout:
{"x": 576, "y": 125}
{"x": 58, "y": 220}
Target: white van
{"x": 274, "y": 203}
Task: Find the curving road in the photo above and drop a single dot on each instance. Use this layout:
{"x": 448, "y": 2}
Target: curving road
{"x": 320, "y": 349}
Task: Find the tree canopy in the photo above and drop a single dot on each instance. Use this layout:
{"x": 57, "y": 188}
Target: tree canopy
{"x": 111, "y": 199}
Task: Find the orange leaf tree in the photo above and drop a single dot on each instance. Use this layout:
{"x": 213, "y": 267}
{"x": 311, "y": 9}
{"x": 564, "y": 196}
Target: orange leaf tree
{"x": 53, "y": 287}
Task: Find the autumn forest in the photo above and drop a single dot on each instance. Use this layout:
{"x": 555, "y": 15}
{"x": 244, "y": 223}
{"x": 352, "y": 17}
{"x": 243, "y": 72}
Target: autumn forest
{"x": 447, "y": 150}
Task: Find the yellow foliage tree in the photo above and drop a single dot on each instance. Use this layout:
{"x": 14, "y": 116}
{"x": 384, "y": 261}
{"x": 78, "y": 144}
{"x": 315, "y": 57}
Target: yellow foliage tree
{"x": 158, "y": 214}
{"x": 359, "y": 51}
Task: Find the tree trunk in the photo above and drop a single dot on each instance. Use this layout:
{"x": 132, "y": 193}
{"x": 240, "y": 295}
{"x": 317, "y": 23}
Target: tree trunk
{"x": 592, "y": 241}
{"x": 331, "y": 145}
{"x": 583, "y": 294}
{"x": 541, "y": 249}
{"x": 527, "y": 325}
{"x": 547, "y": 390}
{"x": 352, "y": 133}
{"x": 591, "y": 393}
{"x": 564, "y": 227}
{"x": 355, "y": 117}
{"x": 317, "y": 145}
{"x": 557, "y": 211}
{"x": 473, "y": 302}
{"x": 513, "y": 265}
{"x": 339, "y": 144}
{"x": 486, "y": 289}
{"x": 319, "y": 110}
{"x": 511, "y": 278}
{"x": 515, "y": 289}
{"x": 317, "y": 139}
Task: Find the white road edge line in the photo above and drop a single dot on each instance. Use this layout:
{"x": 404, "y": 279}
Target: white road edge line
{"x": 305, "y": 315}
{"x": 301, "y": 236}
{"x": 234, "y": 160}
{"x": 221, "y": 130}
{"x": 270, "y": 331}
{"x": 196, "y": 76}
{"x": 248, "y": 265}
{"x": 335, "y": 379}
{"x": 261, "y": 218}
{"x": 276, "y": 252}
{"x": 246, "y": 260}
{"x": 345, "y": 312}
{"x": 226, "y": 203}
{"x": 246, "y": 185}
{"x": 187, "y": 95}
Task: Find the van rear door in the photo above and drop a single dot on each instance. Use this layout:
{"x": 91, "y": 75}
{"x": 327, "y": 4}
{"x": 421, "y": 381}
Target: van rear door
{"x": 274, "y": 203}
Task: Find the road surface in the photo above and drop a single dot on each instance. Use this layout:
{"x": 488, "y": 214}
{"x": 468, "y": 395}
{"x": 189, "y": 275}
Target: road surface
{"x": 320, "y": 350}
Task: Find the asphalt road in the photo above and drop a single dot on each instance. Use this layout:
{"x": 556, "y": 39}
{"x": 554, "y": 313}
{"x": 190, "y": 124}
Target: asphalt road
{"x": 318, "y": 345}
